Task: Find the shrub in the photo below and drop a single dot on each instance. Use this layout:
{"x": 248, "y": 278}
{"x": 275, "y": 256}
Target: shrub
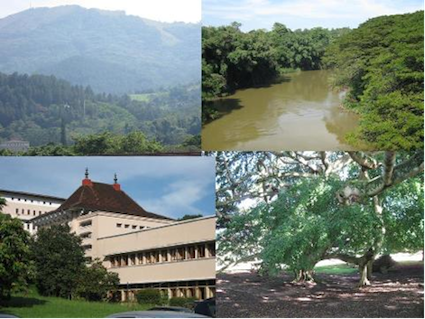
{"x": 149, "y": 296}
{"x": 182, "y": 302}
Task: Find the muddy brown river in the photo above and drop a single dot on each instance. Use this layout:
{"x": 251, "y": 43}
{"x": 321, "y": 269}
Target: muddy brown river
{"x": 301, "y": 112}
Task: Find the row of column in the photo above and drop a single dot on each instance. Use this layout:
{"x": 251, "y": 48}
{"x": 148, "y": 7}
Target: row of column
{"x": 188, "y": 292}
{"x": 165, "y": 255}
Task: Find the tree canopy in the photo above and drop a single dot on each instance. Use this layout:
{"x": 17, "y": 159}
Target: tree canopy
{"x": 381, "y": 63}
{"x": 43, "y": 109}
{"x": 16, "y": 268}
{"x": 233, "y": 59}
{"x": 309, "y": 206}
{"x": 59, "y": 261}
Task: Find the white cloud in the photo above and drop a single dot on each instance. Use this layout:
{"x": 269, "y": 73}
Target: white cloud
{"x": 180, "y": 196}
{"x": 159, "y": 10}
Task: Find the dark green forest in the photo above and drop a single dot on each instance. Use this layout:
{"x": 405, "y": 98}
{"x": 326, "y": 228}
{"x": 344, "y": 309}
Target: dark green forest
{"x": 233, "y": 59}
{"x": 380, "y": 65}
{"x": 43, "y": 109}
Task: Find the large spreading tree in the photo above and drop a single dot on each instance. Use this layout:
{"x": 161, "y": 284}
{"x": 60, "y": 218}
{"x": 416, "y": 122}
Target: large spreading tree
{"x": 15, "y": 263}
{"x": 297, "y": 208}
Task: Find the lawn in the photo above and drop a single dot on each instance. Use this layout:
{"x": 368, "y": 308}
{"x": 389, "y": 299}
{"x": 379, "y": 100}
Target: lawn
{"x": 33, "y": 305}
{"x": 146, "y": 97}
{"x": 338, "y": 269}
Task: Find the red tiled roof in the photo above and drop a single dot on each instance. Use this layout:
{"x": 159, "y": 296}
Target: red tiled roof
{"x": 104, "y": 197}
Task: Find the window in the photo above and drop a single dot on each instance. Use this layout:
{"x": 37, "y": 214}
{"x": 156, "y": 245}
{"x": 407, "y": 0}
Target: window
{"x": 29, "y": 212}
{"x": 32, "y": 201}
{"x": 140, "y": 258}
{"x": 211, "y": 248}
{"x": 19, "y": 199}
{"x": 39, "y": 212}
{"x": 113, "y": 260}
{"x": 23, "y": 211}
{"x": 164, "y": 255}
{"x": 85, "y": 223}
{"x": 133, "y": 259}
{"x": 191, "y": 252}
{"x": 119, "y": 225}
{"x": 17, "y": 210}
{"x": 201, "y": 251}
{"x": 126, "y": 225}
{"x": 180, "y": 253}
{"x": 141, "y": 227}
{"x": 134, "y": 226}
{"x": 33, "y": 213}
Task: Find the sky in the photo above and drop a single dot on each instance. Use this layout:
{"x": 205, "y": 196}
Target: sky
{"x": 170, "y": 186}
{"x": 159, "y": 10}
{"x": 300, "y": 14}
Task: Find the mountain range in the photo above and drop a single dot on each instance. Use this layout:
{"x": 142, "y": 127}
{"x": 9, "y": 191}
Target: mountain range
{"x": 108, "y": 50}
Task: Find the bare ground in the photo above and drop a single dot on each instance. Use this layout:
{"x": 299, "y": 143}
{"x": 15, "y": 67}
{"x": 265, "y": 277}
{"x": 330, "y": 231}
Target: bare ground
{"x": 399, "y": 293}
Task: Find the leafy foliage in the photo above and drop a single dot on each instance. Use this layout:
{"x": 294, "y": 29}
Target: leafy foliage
{"x": 59, "y": 261}
{"x": 45, "y": 110}
{"x": 149, "y": 296}
{"x": 382, "y": 65}
{"x": 296, "y": 216}
{"x": 15, "y": 264}
{"x": 232, "y": 59}
{"x": 95, "y": 282}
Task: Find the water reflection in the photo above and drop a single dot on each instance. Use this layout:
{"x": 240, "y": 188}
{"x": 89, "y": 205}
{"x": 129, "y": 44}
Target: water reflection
{"x": 300, "y": 113}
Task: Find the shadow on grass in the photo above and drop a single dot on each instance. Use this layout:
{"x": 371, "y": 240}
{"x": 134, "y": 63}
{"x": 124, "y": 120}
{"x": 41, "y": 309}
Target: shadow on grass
{"x": 21, "y": 302}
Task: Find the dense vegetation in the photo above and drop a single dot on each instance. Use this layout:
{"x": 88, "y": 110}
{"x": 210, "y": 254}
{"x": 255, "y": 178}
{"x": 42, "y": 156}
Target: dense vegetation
{"x": 233, "y": 59}
{"x": 43, "y": 109}
{"x": 309, "y": 206}
{"x": 109, "y": 50}
{"x": 15, "y": 263}
{"x": 381, "y": 63}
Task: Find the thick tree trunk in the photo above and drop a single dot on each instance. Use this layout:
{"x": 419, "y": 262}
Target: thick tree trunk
{"x": 369, "y": 268}
{"x": 303, "y": 276}
{"x": 363, "y": 270}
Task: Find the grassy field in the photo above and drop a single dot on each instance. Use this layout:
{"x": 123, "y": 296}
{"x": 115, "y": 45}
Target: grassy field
{"x": 33, "y": 305}
{"x": 146, "y": 97}
{"x": 339, "y": 269}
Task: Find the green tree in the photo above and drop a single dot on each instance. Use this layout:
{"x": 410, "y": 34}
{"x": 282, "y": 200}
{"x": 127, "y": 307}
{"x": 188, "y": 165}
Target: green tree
{"x": 96, "y": 283}
{"x": 311, "y": 206}
{"x": 381, "y": 64}
{"x": 15, "y": 264}
{"x": 59, "y": 261}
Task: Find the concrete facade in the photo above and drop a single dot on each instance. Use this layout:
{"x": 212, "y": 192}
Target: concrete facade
{"x": 146, "y": 250}
{"x": 26, "y": 206}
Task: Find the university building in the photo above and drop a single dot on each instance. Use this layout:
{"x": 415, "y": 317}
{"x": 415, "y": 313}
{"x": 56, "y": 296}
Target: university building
{"x": 146, "y": 250}
{"x": 26, "y": 206}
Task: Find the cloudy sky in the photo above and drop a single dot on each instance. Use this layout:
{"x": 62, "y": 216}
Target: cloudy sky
{"x": 159, "y": 10}
{"x": 171, "y": 186}
{"x": 256, "y": 14}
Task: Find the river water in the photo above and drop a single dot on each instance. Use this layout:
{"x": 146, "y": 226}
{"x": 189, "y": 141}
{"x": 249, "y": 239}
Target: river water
{"x": 301, "y": 112}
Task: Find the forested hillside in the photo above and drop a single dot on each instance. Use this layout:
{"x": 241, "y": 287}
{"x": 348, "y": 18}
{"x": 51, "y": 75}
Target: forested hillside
{"x": 44, "y": 109}
{"x": 233, "y": 59}
{"x": 110, "y": 51}
{"x": 382, "y": 65}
